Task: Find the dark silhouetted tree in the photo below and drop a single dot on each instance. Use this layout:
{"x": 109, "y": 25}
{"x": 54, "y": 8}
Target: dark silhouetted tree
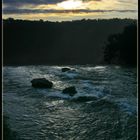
{"x": 122, "y": 48}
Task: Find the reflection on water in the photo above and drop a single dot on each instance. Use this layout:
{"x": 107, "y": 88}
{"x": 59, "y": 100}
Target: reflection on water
{"x": 105, "y": 107}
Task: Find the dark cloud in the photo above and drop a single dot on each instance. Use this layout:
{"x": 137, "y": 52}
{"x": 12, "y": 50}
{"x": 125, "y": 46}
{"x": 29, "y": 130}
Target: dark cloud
{"x": 27, "y": 11}
{"x": 34, "y": 2}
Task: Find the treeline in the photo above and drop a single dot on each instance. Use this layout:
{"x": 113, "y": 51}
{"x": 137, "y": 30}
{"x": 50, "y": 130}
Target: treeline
{"x": 71, "y": 42}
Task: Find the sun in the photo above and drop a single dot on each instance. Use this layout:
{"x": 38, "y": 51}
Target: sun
{"x": 70, "y": 4}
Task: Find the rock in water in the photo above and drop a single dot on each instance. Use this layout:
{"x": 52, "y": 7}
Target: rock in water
{"x": 65, "y": 69}
{"x": 41, "y": 83}
{"x": 70, "y": 90}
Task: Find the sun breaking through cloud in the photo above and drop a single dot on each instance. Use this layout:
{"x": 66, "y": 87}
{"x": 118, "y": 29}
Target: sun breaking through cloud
{"x": 69, "y": 9}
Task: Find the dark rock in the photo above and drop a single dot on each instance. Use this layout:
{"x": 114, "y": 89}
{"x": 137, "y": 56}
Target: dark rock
{"x": 65, "y": 69}
{"x": 70, "y": 90}
{"x": 41, "y": 83}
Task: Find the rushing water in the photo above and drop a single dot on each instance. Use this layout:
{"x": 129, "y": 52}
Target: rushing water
{"x": 104, "y": 108}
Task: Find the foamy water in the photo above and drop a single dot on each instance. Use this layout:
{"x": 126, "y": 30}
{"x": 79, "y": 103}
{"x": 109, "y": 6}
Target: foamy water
{"x": 104, "y": 107}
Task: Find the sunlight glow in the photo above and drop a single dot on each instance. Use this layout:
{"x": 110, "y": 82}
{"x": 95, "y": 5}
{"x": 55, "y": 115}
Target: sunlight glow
{"x": 70, "y": 4}
{"x": 72, "y": 10}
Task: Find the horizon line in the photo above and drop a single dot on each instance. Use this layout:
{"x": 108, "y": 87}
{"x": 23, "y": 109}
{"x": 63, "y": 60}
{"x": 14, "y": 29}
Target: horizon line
{"x": 43, "y": 20}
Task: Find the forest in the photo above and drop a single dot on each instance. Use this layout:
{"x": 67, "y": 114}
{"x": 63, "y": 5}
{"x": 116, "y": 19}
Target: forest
{"x": 100, "y": 41}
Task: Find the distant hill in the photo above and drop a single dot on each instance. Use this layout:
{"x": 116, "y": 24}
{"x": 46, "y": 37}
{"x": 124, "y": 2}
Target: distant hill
{"x": 72, "y": 42}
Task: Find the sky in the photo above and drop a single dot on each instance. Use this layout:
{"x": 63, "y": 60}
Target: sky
{"x": 67, "y": 10}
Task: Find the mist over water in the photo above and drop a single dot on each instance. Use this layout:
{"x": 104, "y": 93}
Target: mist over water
{"x": 104, "y": 107}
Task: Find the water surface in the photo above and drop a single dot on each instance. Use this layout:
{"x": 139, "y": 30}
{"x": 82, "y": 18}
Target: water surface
{"x": 104, "y": 108}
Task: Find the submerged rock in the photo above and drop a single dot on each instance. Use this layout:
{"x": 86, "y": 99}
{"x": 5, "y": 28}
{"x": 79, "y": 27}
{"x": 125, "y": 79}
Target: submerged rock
{"x": 41, "y": 83}
{"x": 70, "y": 90}
{"x": 65, "y": 69}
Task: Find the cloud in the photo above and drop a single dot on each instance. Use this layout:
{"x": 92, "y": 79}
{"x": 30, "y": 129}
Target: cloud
{"x": 16, "y": 8}
{"x": 33, "y": 2}
{"x": 36, "y": 2}
{"x": 28, "y": 11}
{"x": 90, "y": 0}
